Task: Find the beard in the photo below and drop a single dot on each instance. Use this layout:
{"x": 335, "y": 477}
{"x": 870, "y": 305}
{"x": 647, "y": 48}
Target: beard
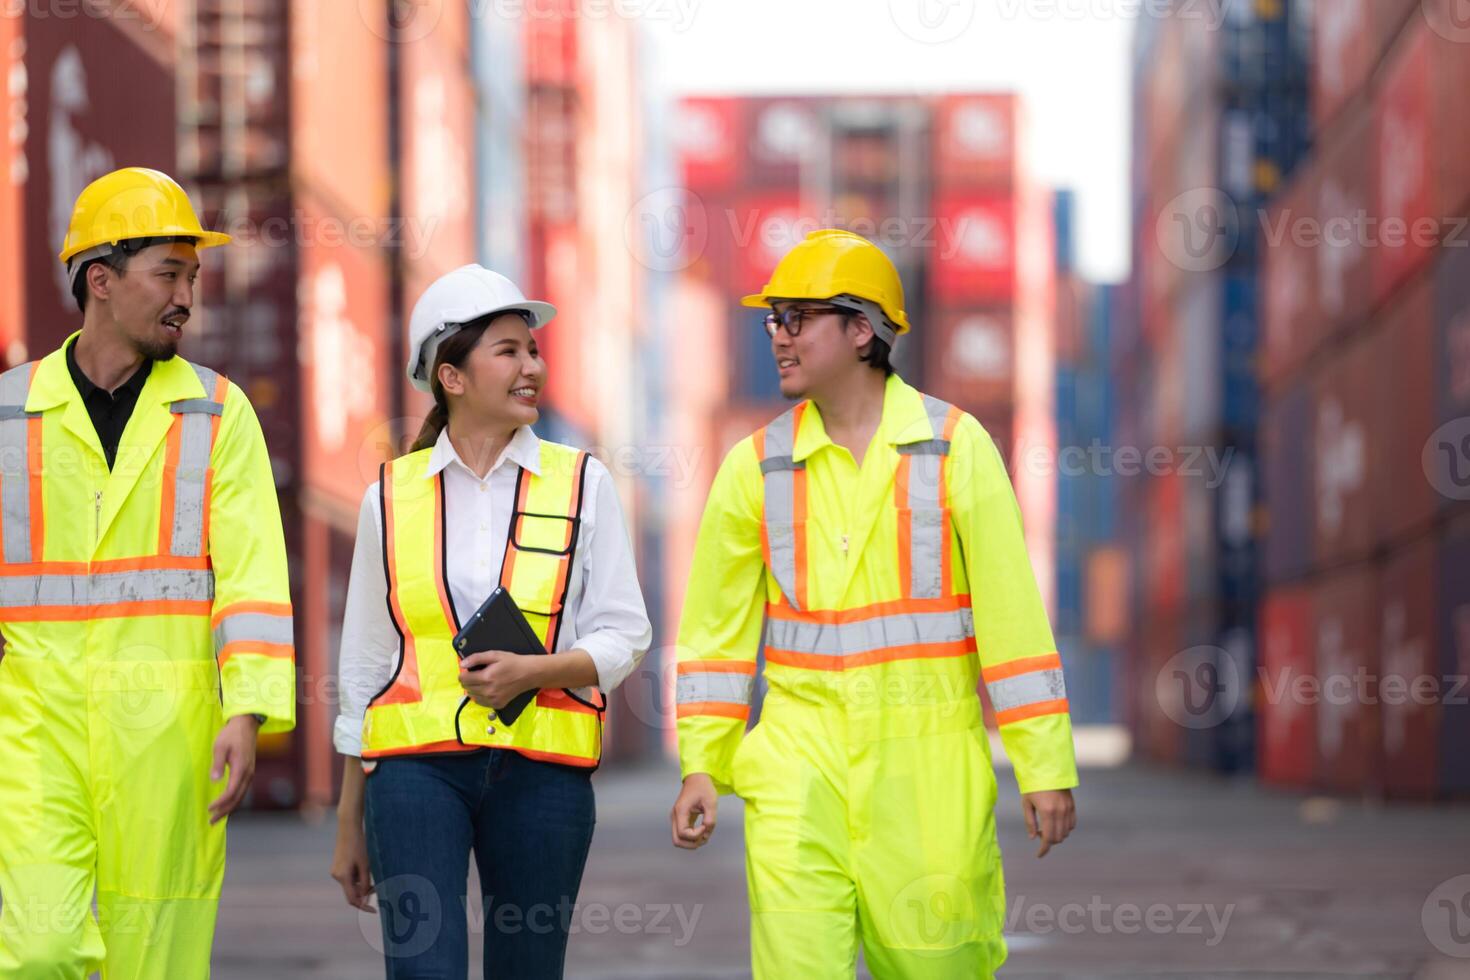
{"x": 157, "y": 350}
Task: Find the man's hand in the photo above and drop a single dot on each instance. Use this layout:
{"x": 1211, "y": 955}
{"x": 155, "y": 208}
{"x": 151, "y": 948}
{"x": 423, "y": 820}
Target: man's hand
{"x": 234, "y": 749}
{"x": 1050, "y": 815}
{"x": 492, "y": 678}
{"x": 697, "y": 799}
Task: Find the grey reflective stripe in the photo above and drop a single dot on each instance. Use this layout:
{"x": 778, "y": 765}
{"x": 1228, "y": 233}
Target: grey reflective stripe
{"x": 108, "y": 588}
{"x": 781, "y": 463}
{"x": 780, "y": 501}
{"x": 938, "y": 412}
{"x": 705, "y": 685}
{"x": 253, "y": 628}
{"x": 195, "y": 446}
{"x": 201, "y": 405}
{"x": 867, "y": 635}
{"x": 1035, "y": 687}
{"x": 15, "y": 484}
{"x": 929, "y": 447}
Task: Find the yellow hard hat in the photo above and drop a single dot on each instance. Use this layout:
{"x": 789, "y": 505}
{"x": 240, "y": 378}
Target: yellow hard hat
{"x": 831, "y": 263}
{"x": 133, "y": 202}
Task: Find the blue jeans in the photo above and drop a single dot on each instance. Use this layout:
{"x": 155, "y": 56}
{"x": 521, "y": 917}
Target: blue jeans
{"x": 529, "y": 825}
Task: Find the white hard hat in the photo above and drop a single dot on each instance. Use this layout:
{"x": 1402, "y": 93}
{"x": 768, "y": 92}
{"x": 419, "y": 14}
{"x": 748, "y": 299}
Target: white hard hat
{"x": 469, "y": 293}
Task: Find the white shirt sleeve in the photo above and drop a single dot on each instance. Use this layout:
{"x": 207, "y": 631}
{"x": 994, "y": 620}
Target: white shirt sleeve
{"x": 611, "y": 620}
{"x": 370, "y": 642}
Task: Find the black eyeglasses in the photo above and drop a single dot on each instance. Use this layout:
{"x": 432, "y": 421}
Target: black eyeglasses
{"x": 794, "y": 319}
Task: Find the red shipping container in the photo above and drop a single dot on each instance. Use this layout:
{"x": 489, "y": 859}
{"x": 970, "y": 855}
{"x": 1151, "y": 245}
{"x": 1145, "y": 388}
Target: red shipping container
{"x": 1345, "y": 202}
{"x": 344, "y": 313}
{"x": 12, "y": 203}
{"x": 1160, "y": 737}
{"x": 781, "y": 135}
{"x": 970, "y": 358}
{"x": 977, "y": 141}
{"x": 1347, "y": 470}
{"x": 762, "y": 230}
{"x": 1291, "y": 322}
{"x": 974, "y": 260}
{"x": 1165, "y": 542}
{"x": 1404, "y": 358}
{"x": 1454, "y": 663}
{"x": 339, "y": 58}
{"x": 1407, "y": 151}
{"x": 79, "y": 124}
{"x": 707, "y": 134}
{"x": 1286, "y": 714}
{"x": 437, "y": 153}
{"x": 1342, "y": 56}
{"x": 1410, "y": 688}
{"x": 1349, "y": 757}
{"x": 551, "y": 43}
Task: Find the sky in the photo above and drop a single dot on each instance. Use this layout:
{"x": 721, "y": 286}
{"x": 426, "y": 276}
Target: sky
{"x": 1069, "y": 58}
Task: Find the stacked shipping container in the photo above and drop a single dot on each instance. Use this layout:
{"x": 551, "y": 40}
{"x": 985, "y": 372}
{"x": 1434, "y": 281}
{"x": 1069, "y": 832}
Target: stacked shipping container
{"x": 1364, "y": 489}
{"x": 1220, "y": 120}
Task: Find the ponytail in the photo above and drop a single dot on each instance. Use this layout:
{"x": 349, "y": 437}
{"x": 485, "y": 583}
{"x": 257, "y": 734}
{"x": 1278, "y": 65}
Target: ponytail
{"x": 434, "y": 423}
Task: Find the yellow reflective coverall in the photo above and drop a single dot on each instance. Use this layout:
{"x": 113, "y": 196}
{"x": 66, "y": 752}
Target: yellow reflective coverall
{"x": 141, "y": 607}
{"x": 868, "y": 788}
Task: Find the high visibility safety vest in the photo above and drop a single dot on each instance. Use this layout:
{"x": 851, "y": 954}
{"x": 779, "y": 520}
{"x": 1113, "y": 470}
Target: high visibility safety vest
{"x": 166, "y": 573}
{"x": 908, "y": 627}
{"x": 423, "y": 708}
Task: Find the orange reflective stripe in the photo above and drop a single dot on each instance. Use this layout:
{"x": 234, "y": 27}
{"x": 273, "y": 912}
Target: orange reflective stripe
{"x": 1056, "y": 707}
{"x": 283, "y": 651}
{"x": 896, "y": 607}
{"x": 170, "y": 470}
{"x": 1026, "y": 665}
{"x": 555, "y": 699}
{"x": 106, "y": 610}
{"x": 721, "y": 709}
{"x": 716, "y": 666}
{"x": 838, "y": 662}
{"x": 102, "y": 566}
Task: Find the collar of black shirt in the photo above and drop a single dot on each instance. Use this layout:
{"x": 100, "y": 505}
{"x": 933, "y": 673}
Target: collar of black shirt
{"x": 88, "y": 390}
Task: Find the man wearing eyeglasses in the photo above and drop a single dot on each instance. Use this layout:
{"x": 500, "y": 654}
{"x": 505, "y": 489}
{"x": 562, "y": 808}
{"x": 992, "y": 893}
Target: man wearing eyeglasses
{"x": 870, "y": 542}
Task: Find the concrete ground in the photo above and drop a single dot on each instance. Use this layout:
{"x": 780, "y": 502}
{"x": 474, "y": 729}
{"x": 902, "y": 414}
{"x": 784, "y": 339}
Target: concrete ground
{"x": 1169, "y": 875}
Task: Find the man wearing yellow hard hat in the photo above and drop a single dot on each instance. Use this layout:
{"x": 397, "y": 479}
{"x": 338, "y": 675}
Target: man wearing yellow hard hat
{"x": 870, "y": 542}
{"x": 144, "y": 607}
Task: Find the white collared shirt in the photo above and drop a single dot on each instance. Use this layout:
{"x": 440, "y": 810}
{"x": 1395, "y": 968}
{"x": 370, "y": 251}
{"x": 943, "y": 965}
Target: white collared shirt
{"x": 604, "y": 616}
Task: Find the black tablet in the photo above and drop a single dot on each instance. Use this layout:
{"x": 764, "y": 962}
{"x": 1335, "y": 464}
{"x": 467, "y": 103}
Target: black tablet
{"x": 499, "y": 624}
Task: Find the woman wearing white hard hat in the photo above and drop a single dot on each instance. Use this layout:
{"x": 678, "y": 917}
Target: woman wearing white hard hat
{"x": 479, "y": 503}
